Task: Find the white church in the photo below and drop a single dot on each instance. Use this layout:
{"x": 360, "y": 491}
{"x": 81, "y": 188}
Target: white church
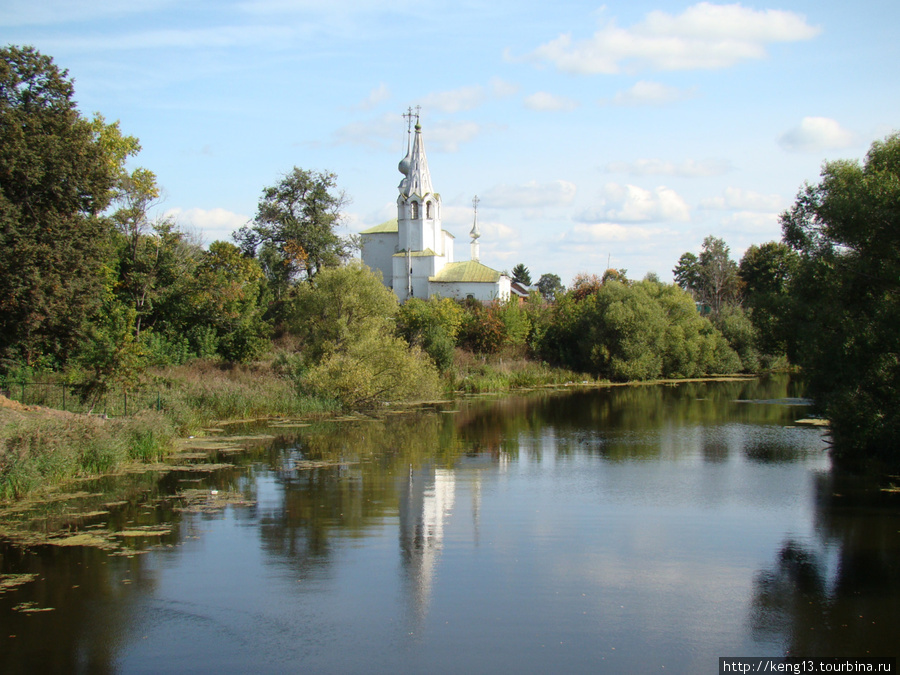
{"x": 415, "y": 254}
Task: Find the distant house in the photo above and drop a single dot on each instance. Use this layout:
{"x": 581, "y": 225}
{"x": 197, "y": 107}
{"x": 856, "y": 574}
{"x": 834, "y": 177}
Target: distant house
{"x": 415, "y": 254}
{"x": 521, "y": 291}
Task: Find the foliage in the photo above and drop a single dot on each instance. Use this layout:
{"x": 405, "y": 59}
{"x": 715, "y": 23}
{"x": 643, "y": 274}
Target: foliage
{"x": 736, "y": 327}
{"x": 346, "y": 320}
{"x": 614, "y": 275}
{"x": 550, "y": 286}
{"x": 432, "y": 325}
{"x": 55, "y": 180}
{"x": 637, "y": 331}
{"x": 766, "y": 273}
{"x": 228, "y": 299}
{"x": 372, "y": 369}
{"x": 482, "y": 330}
{"x": 293, "y": 233}
{"x": 338, "y": 307}
{"x": 845, "y": 299}
{"x": 520, "y": 274}
{"x": 516, "y": 320}
{"x": 584, "y": 285}
{"x": 712, "y": 278}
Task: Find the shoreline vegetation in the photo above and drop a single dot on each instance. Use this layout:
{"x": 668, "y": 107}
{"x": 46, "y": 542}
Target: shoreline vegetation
{"x": 42, "y": 448}
{"x": 98, "y": 295}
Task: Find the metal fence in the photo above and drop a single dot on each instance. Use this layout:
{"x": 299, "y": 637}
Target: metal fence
{"x": 61, "y": 396}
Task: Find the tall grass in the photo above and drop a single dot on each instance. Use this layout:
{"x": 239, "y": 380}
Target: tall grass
{"x": 37, "y": 449}
{"x": 511, "y": 369}
{"x": 204, "y": 392}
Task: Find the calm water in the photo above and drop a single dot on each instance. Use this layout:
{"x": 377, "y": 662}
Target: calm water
{"x": 630, "y": 530}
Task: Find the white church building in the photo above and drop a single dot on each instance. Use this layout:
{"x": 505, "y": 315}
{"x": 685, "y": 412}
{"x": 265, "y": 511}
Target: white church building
{"x": 415, "y": 254}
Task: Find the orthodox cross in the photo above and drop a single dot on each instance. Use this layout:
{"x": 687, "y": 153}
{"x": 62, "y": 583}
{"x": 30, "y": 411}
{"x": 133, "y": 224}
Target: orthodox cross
{"x": 408, "y": 115}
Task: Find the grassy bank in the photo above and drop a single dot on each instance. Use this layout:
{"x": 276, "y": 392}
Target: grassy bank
{"x": 507, "y": 371}
{"x": 42, "y": 446}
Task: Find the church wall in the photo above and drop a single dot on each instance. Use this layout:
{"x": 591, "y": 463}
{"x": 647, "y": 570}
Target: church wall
{"x": 377, "y": 252}
{"x": 480, "y": 290}
{"x": 416, "y": 280}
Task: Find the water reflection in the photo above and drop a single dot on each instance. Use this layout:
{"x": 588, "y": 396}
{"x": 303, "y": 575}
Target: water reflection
{"x": 836, "y": 593}
{"x": 632, "y": 527}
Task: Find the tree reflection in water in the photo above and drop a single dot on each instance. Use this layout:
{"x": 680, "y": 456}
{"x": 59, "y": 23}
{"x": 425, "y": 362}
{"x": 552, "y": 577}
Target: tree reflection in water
{"x": 821, "y": 597}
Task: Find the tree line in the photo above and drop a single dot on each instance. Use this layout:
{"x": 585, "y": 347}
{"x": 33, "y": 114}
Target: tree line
{"x": 93, "y": 286}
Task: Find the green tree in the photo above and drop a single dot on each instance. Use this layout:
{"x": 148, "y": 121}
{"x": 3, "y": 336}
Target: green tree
{"x": 294, "y": 232}
{"x": 228, "y": 300}
{"x": 433, "y": 325}
{"x": 56, "y": 178}
{"x": 712, "y": 278}
{"x": 634, "y": 331}
{"x": 350, "y": 352}
{"x": 550, "y": 286}
{"x": 520, "y": 274}
{"x": 766, "y": 273}
{"x": 845, "y": 300}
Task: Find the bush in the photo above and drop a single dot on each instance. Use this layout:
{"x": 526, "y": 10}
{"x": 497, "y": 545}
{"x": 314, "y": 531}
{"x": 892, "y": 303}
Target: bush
{"x": 373, "y": 370}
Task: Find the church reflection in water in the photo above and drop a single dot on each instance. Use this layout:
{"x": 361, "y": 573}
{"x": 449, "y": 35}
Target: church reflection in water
{"x": 431, "y": 501}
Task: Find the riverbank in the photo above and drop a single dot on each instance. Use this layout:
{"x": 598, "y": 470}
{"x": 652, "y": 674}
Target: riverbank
{"x": 41, "y": 446}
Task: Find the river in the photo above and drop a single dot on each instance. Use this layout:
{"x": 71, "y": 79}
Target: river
{"x": 638, "y": 529}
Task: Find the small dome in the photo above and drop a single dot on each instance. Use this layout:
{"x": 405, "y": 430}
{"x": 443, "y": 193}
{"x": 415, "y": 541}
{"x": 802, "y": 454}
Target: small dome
{"x": 403, "y": 167}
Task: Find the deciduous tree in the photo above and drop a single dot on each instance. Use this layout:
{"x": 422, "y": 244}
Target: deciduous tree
{"x": 294, "y": 233}
{"x": 845, "y": 299}
{"x": 56, "y": 178}
{"x": 550, "y": 286}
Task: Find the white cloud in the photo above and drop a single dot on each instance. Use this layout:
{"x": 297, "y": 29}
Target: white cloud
{"x": 447, "y": 136}
{"x": 383, "y": 132}
{"x": 496, "y": 231}
{"x": 373, "y": 133}
{"x": 464, "y": 98}
{"x": 378, "y": 95}
{"x": 815, "y": 134}
{"x": 549, "y": 102}
{"x": 601, "y": 232}
{"x": 649, "y": 93}
{"x": 632, "y": 204}
{"x": 689, "y": 168}
{"x": 736, "y": 199}
{"x": 502, "y": 88}
{"x": 761, "y": 225}
{"x": 213, "y": 224}
{"x": 468, "y": 97}
{"x": 530, "y": 195}
{"x": 703, "y": 36}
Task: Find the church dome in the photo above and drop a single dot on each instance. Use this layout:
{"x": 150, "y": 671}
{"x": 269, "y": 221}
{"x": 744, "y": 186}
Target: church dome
{"x": 403, "y": 167}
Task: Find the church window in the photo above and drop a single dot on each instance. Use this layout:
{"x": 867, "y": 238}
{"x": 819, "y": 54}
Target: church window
{"x": 414, "y": 210}
{"x": 429, "y": 210}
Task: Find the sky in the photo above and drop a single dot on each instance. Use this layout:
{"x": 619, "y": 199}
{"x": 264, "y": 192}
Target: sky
{"x": 595, "y": 135}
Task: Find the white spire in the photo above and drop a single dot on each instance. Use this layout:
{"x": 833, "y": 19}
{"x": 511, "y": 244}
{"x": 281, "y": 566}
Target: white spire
{"x": 475, "y": 233}
{"x": 418, "y": 178}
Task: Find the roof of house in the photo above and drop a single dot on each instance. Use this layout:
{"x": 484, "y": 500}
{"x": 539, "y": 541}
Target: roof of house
{"x": 466, "y": 271}
{"x": 385, "y": 228}
{"x": 427, "y": 253}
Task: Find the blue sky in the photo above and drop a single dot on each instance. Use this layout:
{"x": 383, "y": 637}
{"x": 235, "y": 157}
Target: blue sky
{"x": 621, "y": 133}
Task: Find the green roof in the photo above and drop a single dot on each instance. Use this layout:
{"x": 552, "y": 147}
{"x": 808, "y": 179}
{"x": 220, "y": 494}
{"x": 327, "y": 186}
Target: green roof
{"x": 385, "y": 228}
{"x": 467, "y": 271}
{"x": 427, "y": 253}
